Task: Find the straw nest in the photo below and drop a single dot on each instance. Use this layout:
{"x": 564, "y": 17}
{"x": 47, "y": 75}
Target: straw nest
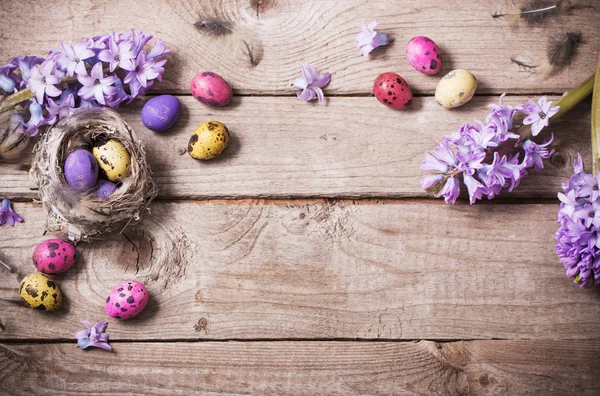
{"x": 81, "y": 217}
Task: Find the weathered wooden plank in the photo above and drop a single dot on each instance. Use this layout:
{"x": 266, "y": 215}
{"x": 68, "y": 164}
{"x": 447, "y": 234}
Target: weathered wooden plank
{"x": 305, "y": 368}
{"x": 352, "y": 147}
{"x": 317, "y": 270}
{"x": 281, "y": 34}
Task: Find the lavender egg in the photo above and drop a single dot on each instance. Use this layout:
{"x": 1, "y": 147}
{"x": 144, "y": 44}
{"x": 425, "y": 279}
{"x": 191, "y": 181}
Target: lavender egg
{"x": 161, "y": 112}
{"x": 81, "y": 170}
{"x": 104, "y": 189}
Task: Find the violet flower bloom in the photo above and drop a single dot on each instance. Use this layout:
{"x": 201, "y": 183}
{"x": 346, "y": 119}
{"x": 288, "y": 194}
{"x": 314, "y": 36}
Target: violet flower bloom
{"x": 72, "y": 59}
{"x": 25, "y": 64}
{"x": 117, "y": 54}
{"x": 311, "y": 83}
{"x": 93, "y": 336}
{"x": 143, "y": 70}
{"x": 62, "y": 107}
{"x": 37, "y": 119}
{"x": 97, "y": 86}
{"x": 368, "y": 39}
{"x": 43, "y": 79}
{"x": 538, "y": 114}
{"x": 577, "y": 238}
{"x": 488, "y": 157}
{"x": 8, "y": 79}
{"x": 7, "y": 215}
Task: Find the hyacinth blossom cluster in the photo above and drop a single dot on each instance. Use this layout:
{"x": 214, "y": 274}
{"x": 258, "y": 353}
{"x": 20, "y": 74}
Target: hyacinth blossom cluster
{"x": 368, "y": 39}
{"x": 578, "y": 235}
{"x": 489, "y": 156}
{"x": 104, "y": 70}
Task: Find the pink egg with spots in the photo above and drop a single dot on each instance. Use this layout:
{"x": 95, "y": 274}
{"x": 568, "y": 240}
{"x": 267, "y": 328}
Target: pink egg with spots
{"x": 126, "y": 300}
{"x": 211, "y": 89}
{"x": 54, "y": 256}
{"x": 424, "y": 55}
{"x": 393, "y": 91}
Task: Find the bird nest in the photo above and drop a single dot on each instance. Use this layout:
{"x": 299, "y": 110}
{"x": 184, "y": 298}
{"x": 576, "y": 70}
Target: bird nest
{"x": 82, "y": 216}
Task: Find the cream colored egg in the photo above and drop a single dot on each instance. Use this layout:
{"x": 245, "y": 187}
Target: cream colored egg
{"x": 113, "y": 158}
{"x": 455, "y": 88}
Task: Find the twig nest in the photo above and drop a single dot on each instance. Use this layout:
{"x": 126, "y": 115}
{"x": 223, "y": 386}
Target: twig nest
{"x": 81, "y": 216}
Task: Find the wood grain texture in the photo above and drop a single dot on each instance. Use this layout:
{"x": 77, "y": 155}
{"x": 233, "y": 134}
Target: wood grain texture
{"x": 351, "y": 147}
{"x": 305, "y": 368}
{"x": 319, "y": 270}
{"x": 279, "y": 34}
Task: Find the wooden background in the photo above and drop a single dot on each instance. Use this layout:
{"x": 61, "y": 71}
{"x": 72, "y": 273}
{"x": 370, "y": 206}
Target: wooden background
{"x": 306, "y": 259}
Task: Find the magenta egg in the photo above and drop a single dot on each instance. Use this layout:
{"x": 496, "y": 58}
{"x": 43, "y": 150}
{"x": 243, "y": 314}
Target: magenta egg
{"x": 126, "y": 300}
{"x": 54, "y": 256}
{"x": 393, "y": 91}
{"x": 211, "y": 89}
{"x": 424, "y": 55}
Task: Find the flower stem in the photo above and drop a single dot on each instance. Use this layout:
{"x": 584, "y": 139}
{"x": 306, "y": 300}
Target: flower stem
{"x": 596, "y": 122}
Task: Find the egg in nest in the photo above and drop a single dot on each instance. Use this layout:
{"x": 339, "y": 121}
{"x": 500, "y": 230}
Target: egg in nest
{"x": 113, "y": 158}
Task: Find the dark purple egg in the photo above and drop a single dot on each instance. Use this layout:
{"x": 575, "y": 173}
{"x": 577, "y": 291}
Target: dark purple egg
{"x": 81, "y": 170}
{"x": 104, "y": 189}
{"x": 161, "y": 112}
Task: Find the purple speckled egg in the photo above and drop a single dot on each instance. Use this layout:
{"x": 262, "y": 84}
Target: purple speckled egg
{"x": 104, "y": 189}
{"x": 211, "y": 89}
{"x": 161, "y": 112}
{"x": 126, "y": 300}
{"x": 424, "y": 55}
{"x": 81, "y": 170}
{"x": 54, "y": 256}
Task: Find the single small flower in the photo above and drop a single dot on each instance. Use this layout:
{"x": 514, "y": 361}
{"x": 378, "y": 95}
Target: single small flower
{"x": 25, "y": 64}
{"x": 538, "y": 114}
{"x": 72, "y": 59}
{"x": 536, "y": 153}
{"x": 117, "y": 54}
{"x": 8, "y": 79}
{"x": 139, "y": 40}
{"x": 61, "y": 108}
{"x": 143, "y": 70}
{"x": 93, "y": 336}
{"x": 96, "y": 85}
{"x": 7, "y": 215}
{"x": 43, "y": 79}
{"x": 368, "y": 39}
{"x": 37, "y": 119}
{"x": 311, "y": 83}
{"x": 158, "y": 51}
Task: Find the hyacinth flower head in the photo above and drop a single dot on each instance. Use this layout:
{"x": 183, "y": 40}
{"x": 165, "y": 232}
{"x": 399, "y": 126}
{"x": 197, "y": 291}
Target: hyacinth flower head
{"x": 368, "y": 39}
{"x": 8, "y": 215}
{"x": 104, "y": 70}
{"x": 489, "y": 156}
{"x": 311, "y": 83}
{"x": 93, "y": 336}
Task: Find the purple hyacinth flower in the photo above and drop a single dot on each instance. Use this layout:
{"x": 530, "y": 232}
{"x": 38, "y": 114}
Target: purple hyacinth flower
{"x": 143, "y": 70}
{"x": 450, "y": 190}
{"x": 158, "y": 51}
{"x": 368, "y": 39}
{"x": 63, "y": 107}
{"x": 117, "y": 54}
{"x": 7, "y": 215}
{"x": 96, "y": 85}
{"x": 36, "y": 119}
{"x": 72, "y": 58}
{"x": 538, "y": 114}
{"x": 505, "y": 113}
{"x": 311, "y": 83}
{"x": 536, "y": 153}
{"x": 8, "y": 79}
{"x": 43, "y": 79}
{"x": 25, "y": 64}
{"x": 93, "y": 336}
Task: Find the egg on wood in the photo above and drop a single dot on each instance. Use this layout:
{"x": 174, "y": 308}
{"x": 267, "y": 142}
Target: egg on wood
{"x": 54, "y": 256}
{"x": 81, "y": 170}
{"x": 211, "y": 89}
{"x": 39, "y": 292}
{"x": 393, "y": 91}
{"x": 208, "y": 140}
{"x": 126, "y": 300}
{"x": 161, "y": 112}
{"x": 455, "y": 88}
{"x": 424, "y": 55}
{"x": 113, "y": 158}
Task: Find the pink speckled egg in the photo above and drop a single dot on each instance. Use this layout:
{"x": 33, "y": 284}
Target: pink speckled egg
{"x": 424, "y": 55}
{"x": 126, "y": 300}
{"x": 54, "y": 256}
{"x": 211, "y": 89}
{"x": 391, "y": 90}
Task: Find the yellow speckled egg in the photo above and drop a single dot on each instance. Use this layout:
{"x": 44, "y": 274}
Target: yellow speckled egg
{"x": 39, "y": 292}
{"x": 113, "y": 158}
{"x": 455, "y": 88}
{"x": 208, "y": 140}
